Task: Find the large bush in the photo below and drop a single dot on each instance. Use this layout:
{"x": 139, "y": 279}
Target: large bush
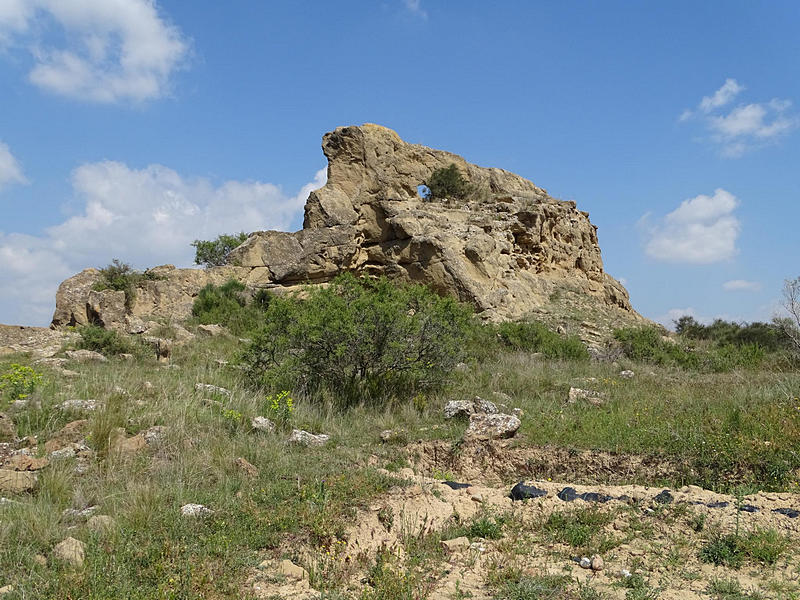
{"x": 768, "y": 336}
{"x": 213, "y": 253}
{"x": 107, "y": 341}
{"x": 360, "y": 340}
{"x": 231, "y": 306}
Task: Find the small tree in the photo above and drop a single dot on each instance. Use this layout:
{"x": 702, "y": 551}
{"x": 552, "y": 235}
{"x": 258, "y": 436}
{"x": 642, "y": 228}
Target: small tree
{"x": 213, "y": 253}
{"x": 448, "y": 183}
{"x": 791, "y": 302}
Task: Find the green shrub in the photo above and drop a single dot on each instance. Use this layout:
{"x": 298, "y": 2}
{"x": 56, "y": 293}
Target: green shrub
{"x": 19, "y": 382}
{"x": 121, "y": 277}
{"x": 107, "y": 341}
{"x": 768, "y": 336}
{"x": 763, "y": 546}
{"x": 360, "y": 340}
{"x": 228, "y": 305}
{"x": 213, "y": 253}
{"x": 448, "y": 182}
{"x": 536, "y": 337}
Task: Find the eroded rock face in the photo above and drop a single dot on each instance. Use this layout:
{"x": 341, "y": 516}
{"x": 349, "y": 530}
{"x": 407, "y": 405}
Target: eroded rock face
{"x": 511, "y": 250}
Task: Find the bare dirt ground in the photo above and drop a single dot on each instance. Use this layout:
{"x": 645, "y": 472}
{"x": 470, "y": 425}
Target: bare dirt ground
{"x": 647, "y": 533}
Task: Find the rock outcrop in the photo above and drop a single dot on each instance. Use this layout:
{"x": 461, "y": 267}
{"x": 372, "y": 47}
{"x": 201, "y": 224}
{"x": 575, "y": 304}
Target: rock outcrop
{"x": 509, "y": 249}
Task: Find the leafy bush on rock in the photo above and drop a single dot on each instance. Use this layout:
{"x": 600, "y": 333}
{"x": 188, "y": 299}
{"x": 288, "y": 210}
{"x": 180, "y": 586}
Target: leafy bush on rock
{"x": 230, "y": 305}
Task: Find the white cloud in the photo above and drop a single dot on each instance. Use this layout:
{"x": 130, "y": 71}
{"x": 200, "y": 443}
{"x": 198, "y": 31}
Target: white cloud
{"x": 744, "y": 127}
{"x": 701, "y": 230}
{"x": 415, "y": 7}
{"x": 729, "y": 90}
{"x": 145, "y": 217}
{"x": 741, "y": 285}
{"x": 112, "y": 50}
{"x": 10, "y": 169}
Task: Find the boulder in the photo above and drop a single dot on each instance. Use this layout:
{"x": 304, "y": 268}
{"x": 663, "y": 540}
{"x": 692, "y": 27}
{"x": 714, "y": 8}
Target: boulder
{"x": 459, "y": 544}
{"x": 492, "y": 427}
{"x": 211, "y": 330}
{"x": 288, "y": 569}
{"x": 25, "y": 462}
{"x": 262, "y": 424}
{"x": 465, "y": 408}
{"x": 195, "y": 510}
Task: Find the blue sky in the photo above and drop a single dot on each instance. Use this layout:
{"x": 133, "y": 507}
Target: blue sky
{"x": 128, "y": 128}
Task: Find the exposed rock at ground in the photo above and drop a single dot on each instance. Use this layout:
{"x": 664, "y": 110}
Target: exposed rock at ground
{"x": 458, "y": 544}
{"x": 39, "y": 341}
{"x": 78, "y": 405}
{"x": 25, "y": 462}
{"x": 85, "y": 356}
{"x": 17, "y": 482}
{"x": 71, "y": 433}
{"x": 211, "y": 330}
{"x": 289, "y": 569}
{"x": 212, "y": 389}
{"x": 71, "y": 551}
{"x": 465, "y": 408}
{"x": 592, "y": 397}
{"x": 8, "y": 431}
{"x": 122, "y": 445}
{"x": 304, "y": 438}
{"x": 509, "y": 248}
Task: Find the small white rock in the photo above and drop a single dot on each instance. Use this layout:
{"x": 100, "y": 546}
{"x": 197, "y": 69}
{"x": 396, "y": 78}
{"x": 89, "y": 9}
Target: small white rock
{"x": 195, "y": 510}
{"x": 213, "y": 389}
{"x": 305, "y": 438}
{"x": 586, "y": 562}
{"x": 626, "y": 374}
{"x": 262, "y": 424}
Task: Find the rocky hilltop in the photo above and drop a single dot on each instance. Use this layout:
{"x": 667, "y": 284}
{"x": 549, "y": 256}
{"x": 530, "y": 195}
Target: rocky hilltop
{"x": 510, "y": 249}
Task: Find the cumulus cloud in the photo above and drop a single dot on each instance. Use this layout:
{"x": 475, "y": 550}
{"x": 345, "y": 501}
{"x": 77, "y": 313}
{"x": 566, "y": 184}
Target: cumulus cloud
{"x": 106, "y": 50}
{"x": 743, "y": 127}
{"x": 701, "y": 230}
{"x": 143, "y": 216}
{"x": 741, "y": 285}
{"x": 10, "y": 169}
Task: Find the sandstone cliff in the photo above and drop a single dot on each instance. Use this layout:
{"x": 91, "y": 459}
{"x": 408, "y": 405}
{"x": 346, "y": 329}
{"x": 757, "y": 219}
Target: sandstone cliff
{"x": 510, "y": 249}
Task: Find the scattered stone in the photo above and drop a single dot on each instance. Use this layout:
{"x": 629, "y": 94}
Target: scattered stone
{"x": 719, "y": 504}
{"x": 71, "y": 432}
{"x": 454, "y": 485}
{"x": 245, "y": 465}
{"x": 155, "y": 435}
{"x": 122, "y": 445}
{"x": 71, "y": 551}
{"x": 17, "y": 482}
{"x": 213, "y": 389}
{"x": 8, "y": 431}
{"x": 127, "y": 357}
{"x": 195, "y": 510}
{"x": 134, "y": 325}
{"x": 78, "y": 405}
{"x": 592, "y": 397}
{"x": 522, "y": 491}
{"x": 626, "y": 374}
{"x": 393, "y": 435}
{"x": 84, "y": 513}
{"x": 289, "y": 569}
{"x": 597, "y": 563}
{"x": 748, "y": 508}
{"x": 85, "y": 356}
{"x": 6, "y": 589}
{"x": 458, "y": 544}
{"x": 101, "y": 524}
{"x": 476, "y": 498}
{"x": 25, "y": 462}
{"x": 262, "y": 424}
{"x": 594, "y": 497}
{"x": 483, "y": 406}
{"x": 304, "y": 438}
{"x": 624, "y": 573}
{"x": 664, "y": 497}
{"x": 568, "y": 494}
{"x": 492, "y": 426}
{"x": 458, "y": 408}
{"x": 585, "y": 562}
{"x": 789, "y": 512}
{"x": 211, "y": 330}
